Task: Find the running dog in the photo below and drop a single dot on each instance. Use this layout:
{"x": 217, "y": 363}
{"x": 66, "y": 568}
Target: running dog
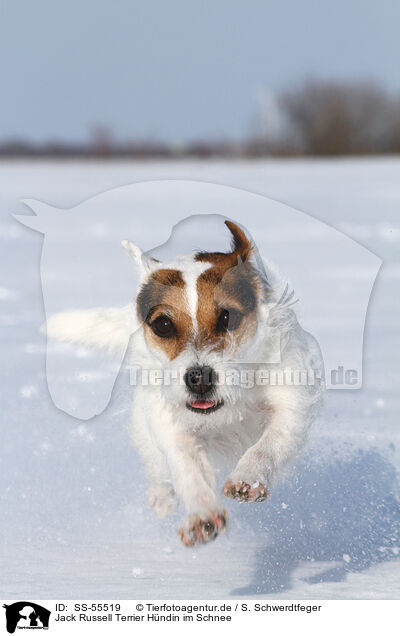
{"x": 202, "y": 322}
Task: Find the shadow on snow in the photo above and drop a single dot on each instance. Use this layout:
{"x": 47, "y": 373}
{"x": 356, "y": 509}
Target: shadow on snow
{"x": 343, "y": 512}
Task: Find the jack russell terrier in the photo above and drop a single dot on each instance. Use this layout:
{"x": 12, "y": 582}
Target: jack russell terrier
{"x": 200, "y": 321}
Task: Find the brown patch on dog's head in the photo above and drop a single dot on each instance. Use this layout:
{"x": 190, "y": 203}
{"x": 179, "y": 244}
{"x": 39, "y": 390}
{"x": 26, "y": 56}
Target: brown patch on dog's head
{"x": 162, "y": 285}
{"x": 227, "y": 293}
{"x": 162, "y": 301}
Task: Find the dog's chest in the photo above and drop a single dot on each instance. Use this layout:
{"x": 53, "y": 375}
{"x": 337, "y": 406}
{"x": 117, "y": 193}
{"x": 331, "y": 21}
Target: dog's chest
{"x": 229, "y": 441}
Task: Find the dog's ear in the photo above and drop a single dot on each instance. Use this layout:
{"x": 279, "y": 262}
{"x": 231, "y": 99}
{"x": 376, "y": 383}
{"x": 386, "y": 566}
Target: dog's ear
{"x": 146, "y": 263}
{"x": 241, "y": 246}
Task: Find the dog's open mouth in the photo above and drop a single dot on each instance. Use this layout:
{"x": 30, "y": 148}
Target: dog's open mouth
{"x": 204, "y": 406}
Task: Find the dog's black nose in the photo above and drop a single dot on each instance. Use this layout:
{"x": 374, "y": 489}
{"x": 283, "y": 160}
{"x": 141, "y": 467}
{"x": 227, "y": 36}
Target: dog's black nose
{"x": 200, "y": 379}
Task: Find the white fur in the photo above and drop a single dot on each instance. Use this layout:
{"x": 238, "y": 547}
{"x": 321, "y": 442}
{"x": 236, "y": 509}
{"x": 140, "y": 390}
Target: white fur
{"x": 191, "y": 270}
{"x": 146, "y": 264}
{"x": 106, "y": 328}
{"x": 255, "y": 433}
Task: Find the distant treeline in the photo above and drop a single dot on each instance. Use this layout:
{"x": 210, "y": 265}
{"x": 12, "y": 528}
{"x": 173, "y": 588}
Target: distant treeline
{"x": 317, "y": 119}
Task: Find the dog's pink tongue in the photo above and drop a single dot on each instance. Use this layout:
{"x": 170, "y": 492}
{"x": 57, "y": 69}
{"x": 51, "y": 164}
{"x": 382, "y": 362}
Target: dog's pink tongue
{"x": 202, "y": 404}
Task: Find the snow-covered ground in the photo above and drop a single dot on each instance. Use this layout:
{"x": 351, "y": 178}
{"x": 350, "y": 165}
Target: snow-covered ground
{"x": 75, "y": 521}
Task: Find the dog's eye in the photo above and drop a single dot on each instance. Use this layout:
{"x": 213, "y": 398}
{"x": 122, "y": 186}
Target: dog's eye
{"x": 229, "y": 320}
{"x": 163, "y": 327}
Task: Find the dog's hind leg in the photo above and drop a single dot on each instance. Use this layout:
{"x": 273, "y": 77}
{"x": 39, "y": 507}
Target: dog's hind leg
{"x": 162, "y": 498}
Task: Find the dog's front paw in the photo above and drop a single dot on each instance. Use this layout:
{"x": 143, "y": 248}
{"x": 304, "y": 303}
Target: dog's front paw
{"x": 162, "y": 498}
{"x": 242, "y": 491}
{"x": 202, "y": 529}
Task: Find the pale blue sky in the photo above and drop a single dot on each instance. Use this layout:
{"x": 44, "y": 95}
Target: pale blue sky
{"x": 178, "y": 69}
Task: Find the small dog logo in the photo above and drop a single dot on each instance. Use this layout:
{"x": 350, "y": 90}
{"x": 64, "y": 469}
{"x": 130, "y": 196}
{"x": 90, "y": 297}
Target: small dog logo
{"x": 26, "y": 615}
